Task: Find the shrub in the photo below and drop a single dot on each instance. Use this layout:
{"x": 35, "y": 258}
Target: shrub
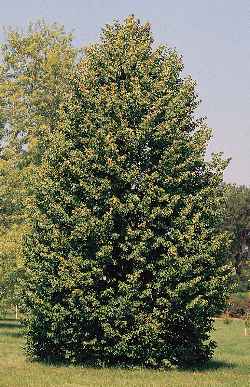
{"x": 124, "y": 263}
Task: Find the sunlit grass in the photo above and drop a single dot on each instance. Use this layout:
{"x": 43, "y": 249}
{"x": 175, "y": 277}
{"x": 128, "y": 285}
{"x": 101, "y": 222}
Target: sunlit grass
{"x": 230, "y": 366}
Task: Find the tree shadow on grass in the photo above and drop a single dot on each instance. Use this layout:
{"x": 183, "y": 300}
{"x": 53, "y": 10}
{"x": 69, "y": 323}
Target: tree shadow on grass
{"x": 12, "y": 324}
{"x": 210, "y": 366}
{"x": 10, "y": 328}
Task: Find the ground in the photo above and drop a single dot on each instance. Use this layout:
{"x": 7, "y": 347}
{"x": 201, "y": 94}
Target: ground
{"x": 230, "y": 366}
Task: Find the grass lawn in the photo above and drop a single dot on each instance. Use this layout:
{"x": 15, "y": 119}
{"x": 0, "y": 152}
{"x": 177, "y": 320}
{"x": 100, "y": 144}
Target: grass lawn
{"x": 230, "y": 366}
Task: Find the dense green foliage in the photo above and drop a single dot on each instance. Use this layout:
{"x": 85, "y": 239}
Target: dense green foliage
{"x": 237, "y": 222}
{"x": 34, "y": 80}
{"x": 124, "y": 261}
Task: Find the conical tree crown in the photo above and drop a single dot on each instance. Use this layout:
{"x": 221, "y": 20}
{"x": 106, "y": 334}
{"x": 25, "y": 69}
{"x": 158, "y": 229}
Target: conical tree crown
{"x": 125, "y": 250}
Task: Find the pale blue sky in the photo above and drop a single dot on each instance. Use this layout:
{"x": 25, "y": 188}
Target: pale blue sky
{"x": 213, "y": 37}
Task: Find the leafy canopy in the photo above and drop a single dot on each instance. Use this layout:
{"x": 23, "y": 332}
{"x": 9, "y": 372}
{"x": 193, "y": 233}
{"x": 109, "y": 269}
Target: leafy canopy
{"x": 34, "y": 80}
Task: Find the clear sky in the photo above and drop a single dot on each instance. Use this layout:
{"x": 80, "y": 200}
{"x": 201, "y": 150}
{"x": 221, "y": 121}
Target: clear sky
{"x": 213, "y": 37}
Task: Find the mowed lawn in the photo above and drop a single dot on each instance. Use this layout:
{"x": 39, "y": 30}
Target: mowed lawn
{"x": 230, "y": 366}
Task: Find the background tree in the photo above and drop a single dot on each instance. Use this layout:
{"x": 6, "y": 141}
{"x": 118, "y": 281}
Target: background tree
{"x": 12, "y": 228}
{"x": 124, "y": 261}
{"x": 35, "y": 73}
{"x": 237, "y": 222}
